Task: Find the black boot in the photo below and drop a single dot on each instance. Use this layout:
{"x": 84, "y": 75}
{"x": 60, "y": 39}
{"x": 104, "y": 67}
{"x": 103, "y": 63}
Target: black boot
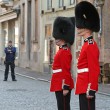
{"x": 14, "y": 80}
{"x": 5, "y": 80}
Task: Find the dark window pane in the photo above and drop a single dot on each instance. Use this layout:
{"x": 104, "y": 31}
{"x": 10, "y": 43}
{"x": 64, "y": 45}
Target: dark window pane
{"x": 72, "y": 2}
{"x": 49, "y": 4}
{"x": 61, "y": 3}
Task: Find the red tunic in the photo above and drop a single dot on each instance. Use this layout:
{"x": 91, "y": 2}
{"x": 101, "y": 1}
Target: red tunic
{"x": 88, "y": 67}
{"x": 61, "y": 70}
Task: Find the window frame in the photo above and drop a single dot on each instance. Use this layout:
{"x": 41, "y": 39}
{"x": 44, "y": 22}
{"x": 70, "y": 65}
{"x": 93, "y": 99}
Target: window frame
{"x": 72, "y": 2}
{"x": 49, "y": 4}
{"x": 61, "y": 5}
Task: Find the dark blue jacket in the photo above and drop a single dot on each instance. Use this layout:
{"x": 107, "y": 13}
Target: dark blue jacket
{"x": 10, "y": 54}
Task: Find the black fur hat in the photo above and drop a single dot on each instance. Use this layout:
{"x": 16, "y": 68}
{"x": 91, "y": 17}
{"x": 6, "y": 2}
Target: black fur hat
{"x": 86, "y": 16}
{"x": 64, "y": 28}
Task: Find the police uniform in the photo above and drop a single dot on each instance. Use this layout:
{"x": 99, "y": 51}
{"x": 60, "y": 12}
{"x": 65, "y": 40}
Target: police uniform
{"x": 62, "y": 76}
{"x": 88, "y": 68}
{"x": 9, "y": 61}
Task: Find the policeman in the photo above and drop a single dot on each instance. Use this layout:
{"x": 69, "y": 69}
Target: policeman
{"x": 62, "y": 81}
{"x": 87, "y": 22}
{"x": 10, "y": 52}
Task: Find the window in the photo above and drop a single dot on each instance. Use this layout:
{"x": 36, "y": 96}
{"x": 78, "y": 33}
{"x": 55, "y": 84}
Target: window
{"x": 23, "y": 22}
{"x": 61, "y": 3}
{"x": 48, "y": 30}
{"x": 6, "y": 37}
{"x": 51, "y": 50}
{"x": 46, "y": 52}
{"x": 49, "y": 4}
{"x": 72, "y": 2}
{"x": 48, "y": 33}
{"x": 16, "y": 39}
{"x": 36, "y": 22}
{"x": 29, "y": 29}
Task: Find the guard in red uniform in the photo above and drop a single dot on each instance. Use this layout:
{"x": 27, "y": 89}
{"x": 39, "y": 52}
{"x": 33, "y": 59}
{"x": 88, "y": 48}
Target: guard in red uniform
{"x": 88, "y": 69}
{"x": 62, "y": 81}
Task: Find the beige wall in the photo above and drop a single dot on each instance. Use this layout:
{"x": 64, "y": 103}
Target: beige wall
{"x": 103, "y": 42}
{"x": 47, "y": 19}
{"x": 9, "y": 28}
{"x": 34, "y": 44}
{"x": 30, "y": 43}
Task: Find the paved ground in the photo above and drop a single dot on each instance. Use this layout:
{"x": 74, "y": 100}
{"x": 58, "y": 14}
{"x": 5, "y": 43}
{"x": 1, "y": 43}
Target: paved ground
{"x": 28, "y": 94}
{"x": 103, "y": 88}
{"x": 29, "y": 72}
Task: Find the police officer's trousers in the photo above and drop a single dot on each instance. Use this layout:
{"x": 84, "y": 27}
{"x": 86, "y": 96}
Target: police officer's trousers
{"x": 63, "y": 102}
{"x": 12, "y": 66}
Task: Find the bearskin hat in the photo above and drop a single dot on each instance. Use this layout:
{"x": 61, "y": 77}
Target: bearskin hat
{"x": 64, "y": 28}
{"x": 86, "y": 16}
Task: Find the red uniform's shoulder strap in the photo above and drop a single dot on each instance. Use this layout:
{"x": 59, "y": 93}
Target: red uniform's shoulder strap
{"x": 90, "y": 41}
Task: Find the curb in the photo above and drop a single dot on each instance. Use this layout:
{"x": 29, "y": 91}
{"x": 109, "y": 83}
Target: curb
{"x": 106, "y": 94}
{"x": 38, "y": 79}
{"x": 44, "y": 80}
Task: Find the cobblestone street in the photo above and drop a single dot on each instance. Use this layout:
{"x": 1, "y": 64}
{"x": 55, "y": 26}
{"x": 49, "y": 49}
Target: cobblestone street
{"x": 28, "y": 94}
{"x": 41, "y": 37}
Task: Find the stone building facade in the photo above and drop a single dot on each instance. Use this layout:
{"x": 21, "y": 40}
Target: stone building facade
{"x": 20, "y": 22}
{"x": 9, "y": 25}
{"x": 50, "y": 9}
{"x": 29, "y": 41}
{"x": 29, "y": 23}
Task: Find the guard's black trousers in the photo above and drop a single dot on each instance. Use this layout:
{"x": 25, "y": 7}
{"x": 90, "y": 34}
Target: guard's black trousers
{"x": 12, "y": 66}
{"x": 63, "y": 102}
{"x": 86, "y": 104}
